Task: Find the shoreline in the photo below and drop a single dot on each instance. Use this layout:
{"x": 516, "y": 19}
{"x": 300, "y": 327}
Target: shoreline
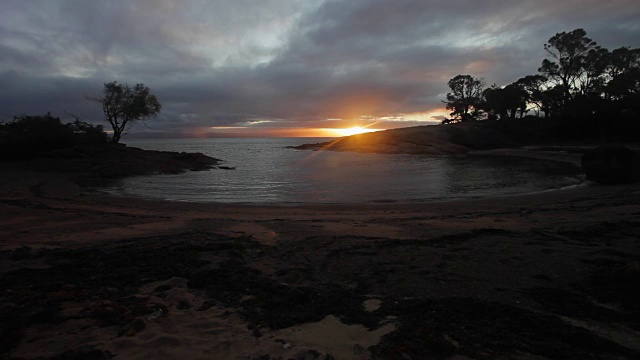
{"x": 373, "y": 198}
{"x": 538, "y": 152}
{"x": 548, "y": 275}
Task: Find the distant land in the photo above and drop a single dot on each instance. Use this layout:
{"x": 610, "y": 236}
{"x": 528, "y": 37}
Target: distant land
{"x": 462, "y": 137}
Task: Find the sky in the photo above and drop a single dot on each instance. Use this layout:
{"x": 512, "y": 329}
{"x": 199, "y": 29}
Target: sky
{"x": 281, "y": 67}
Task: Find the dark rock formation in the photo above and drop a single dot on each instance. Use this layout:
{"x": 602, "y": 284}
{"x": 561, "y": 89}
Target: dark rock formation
{"x": 612, "y": 164}
{"x": 427, "y": 140}
{"x": 116, "y": 161}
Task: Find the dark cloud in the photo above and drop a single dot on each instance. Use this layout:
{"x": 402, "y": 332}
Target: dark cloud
{"x": 281, "y": 63}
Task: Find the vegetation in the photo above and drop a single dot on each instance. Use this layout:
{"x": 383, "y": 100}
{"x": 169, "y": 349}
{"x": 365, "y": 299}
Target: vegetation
{"x": 583, "y": 90}
{"x": 586, "y": 89}
{"x": 28, "y": 137}
{"x": 124, "y": 105}
{"x": 465, "y": 97}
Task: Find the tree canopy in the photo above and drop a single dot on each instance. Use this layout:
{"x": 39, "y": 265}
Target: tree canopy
{"x": 123, "y": 106}
{"x": 27, "y": 137}
{"x": 464, "y": 98}
{"x": 506, "y": 102}
{"x": 579, "y": 82}
{"x": 575, "y": 61}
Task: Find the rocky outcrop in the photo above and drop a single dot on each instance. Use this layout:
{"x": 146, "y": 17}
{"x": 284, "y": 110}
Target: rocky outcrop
{"x": 612, "y": 164}
{"x": 426, "y": 140}
{"x": 116, "y": 161}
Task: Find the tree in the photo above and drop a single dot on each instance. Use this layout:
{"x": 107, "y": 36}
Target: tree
{"x": 123, "y": 106}
{"x": 622, "y": 60}
{"x": 506, "y": 102}
{"x": 624, "y": 73}
{"x": 569, "y": 58}
{"x": 552, "y": 100}
{"x": 494, "y": 103}
{"x": 29, "y": 137}
{"x": 596, "y": 63}
{"x": 465, "y": 97}
{"x": 590, "y": 90}
{"x": 533, "y": 85}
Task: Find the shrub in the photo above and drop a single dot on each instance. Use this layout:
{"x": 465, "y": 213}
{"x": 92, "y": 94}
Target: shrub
{"x": 28, "y": 137}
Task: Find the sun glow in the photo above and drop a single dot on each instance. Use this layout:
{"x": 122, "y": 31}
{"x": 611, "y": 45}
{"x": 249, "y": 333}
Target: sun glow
{"x": 352, "y": 131}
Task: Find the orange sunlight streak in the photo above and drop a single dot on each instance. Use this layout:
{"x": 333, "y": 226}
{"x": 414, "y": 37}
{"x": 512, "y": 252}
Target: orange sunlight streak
{"x": 354, "y": 130}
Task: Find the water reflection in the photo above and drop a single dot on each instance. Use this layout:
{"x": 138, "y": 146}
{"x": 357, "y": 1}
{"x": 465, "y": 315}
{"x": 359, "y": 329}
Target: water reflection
{"x": 267, "y": 172}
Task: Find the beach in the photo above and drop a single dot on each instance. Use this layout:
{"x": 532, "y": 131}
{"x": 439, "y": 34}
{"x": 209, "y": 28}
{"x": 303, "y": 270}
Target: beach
{"x": 548, "y": 275}
{"x": 319, "y": 180}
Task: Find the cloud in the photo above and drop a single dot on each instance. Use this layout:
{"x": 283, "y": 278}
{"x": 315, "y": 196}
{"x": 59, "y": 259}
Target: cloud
{"x": 281, "y": 63}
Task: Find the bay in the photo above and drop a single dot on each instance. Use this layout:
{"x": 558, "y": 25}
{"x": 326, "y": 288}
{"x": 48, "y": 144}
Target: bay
{"x": 268, "y": 172}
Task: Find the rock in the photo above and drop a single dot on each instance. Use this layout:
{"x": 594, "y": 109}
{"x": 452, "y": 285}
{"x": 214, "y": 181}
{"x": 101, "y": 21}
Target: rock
{"x": 315, "y": 146}
{"x": 21, "y": 253}
{"x": 84, "y": 354}
{"x": 157, "y": 312}
{"x": 311, "y": 354}
{"x": 208, "y": 304}
{"x": 183, "y": 305}
{"x": 163, "y": 287}
{"x": 117, "y": 160}
{"x": 612, "y": 164}
{"x": 133, "y": 328}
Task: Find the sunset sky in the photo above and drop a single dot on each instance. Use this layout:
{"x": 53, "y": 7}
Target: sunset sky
{"x": 281, "y": 67}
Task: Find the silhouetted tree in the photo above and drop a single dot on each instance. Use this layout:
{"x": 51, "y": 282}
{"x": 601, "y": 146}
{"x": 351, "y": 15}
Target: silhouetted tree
{"x": 507, "y": 102}
{"x": 534, "y": 87}
{"x": 622, "y": 60}
{"x": 553, "y": 100}
{"x": 29, "y": 137}
{"x": 624, "y": 73}
{"x": 494, "y": 103}
{"x": 465, "y": 97}
{"x": 123, "y": 106}
{"x": 569, "y": 55}
{"x": 627, "y": 84}
{"x": 85, "y": 133}
{"x": 595, "y": 67}
{"x": 590, "y": 91}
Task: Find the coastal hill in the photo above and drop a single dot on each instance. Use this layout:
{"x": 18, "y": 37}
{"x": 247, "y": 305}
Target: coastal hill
{"x": 457, "y": 138}
{"x": 609, "y": 164}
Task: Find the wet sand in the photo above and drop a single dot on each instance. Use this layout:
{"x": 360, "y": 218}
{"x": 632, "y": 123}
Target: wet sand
{"x": 552, "y": 275}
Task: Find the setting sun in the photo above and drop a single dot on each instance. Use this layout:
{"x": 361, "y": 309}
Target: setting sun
{"x": 353, "y": 131}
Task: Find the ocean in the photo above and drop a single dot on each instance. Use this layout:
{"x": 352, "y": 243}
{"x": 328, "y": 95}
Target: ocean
{"x": 266, "y": 172}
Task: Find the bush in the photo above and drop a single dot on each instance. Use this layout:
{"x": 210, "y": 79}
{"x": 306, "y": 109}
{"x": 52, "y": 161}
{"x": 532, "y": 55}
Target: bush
{"x": 29, "y": 137}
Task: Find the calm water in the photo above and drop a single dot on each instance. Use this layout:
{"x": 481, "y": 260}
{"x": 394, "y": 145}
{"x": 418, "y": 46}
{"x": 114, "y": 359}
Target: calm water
{"x": 267, "y": 172}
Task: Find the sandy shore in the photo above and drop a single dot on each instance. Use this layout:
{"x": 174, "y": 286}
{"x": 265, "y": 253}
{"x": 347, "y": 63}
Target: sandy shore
{"x": 552, "y": 275}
